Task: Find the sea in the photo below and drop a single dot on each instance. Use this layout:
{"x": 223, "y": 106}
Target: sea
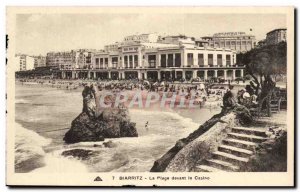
{"x": 44, "y": 114}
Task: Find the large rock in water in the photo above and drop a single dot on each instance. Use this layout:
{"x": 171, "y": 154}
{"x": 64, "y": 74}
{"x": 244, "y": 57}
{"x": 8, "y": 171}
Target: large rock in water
{"x": 96, "y": 123}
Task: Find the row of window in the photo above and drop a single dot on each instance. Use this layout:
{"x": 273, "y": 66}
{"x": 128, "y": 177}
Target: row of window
{"x": 130, "y": 49}
{"x": 237, "y": 37}
{"x": 167, "y": 60}
{"x": 210, "y": 60}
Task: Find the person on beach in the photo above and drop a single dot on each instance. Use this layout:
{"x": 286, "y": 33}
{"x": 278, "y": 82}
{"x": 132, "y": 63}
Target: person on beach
{"x": 146, "y": 126}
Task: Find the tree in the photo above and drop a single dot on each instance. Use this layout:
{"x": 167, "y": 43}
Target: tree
{"x": 264, "y": 64}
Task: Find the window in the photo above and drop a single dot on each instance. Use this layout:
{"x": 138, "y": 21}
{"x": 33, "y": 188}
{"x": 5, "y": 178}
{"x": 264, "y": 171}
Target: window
{"x": 106, "y": 61}
{"x": 101, "y": 62}
{"x": 210, "y": 59}
{"x": 130, "y": 61}
{"x": 200, "y": 60}
{"x": 152, "y": 60}
{"x": 219, "y": 59}
{"x": 136, "y": 60}
{"x": 114, "y": 61}
{"x": 177, "y": 60}
{"x": 163, "y": 60}
{"x": 170, "y": 60}
{"x": 190, "y": 59}
{"x": 126, "y": 60}
{"x": 228, "y": 59}
{"x": 222, "y": 44}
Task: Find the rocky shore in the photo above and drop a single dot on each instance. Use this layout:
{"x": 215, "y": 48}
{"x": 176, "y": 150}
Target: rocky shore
{"x": 96, "y": 123}
{"x": 199, "y": 144}
{"x": 161, "y": 164}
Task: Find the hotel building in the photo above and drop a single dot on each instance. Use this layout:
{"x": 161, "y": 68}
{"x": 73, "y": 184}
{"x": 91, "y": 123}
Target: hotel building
{"x": 276, "y": 36}
{"x": 238, "y": 41}
{"x": 24, "y": 62}
{"x": 39, "y": 61}
{"x": 148, "y": 56}
{"x": 68, "y": 60}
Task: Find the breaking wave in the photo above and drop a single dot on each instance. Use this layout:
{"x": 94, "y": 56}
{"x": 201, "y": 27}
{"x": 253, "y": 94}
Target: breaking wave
{"x": 31, "y": 157}
{"x": 184, "y": 122}
{"x": 56, "y": 163}
{"x": 29, "y": 151}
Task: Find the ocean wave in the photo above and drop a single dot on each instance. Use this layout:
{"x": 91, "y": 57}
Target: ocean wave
{"x": 135, "y": 164}
{"x": 185, "y": 122}
{"x": 21, "y": 101}
{"x": 29, "y": 151}
{"x": 55, "y": 163}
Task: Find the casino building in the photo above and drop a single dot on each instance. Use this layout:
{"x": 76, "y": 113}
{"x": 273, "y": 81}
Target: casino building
{"x": 151, "y": 57}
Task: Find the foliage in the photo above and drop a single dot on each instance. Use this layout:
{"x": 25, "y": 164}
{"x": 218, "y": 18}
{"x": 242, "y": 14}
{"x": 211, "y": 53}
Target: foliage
{"x": 263, "y": 64}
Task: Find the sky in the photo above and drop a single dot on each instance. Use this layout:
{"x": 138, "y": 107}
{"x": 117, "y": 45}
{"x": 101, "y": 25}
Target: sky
{"x": 41, "y": 33}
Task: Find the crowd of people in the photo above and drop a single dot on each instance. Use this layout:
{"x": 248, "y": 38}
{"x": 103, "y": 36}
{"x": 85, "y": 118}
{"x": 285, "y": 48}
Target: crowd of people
{"x": 245, "y": 96}
{"x": 201, "y": 92}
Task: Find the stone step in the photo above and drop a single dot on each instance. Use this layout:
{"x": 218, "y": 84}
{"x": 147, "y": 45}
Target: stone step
{"x": 207, "y": 168}
{"x": 222, "y": 165}
{"x": 251, "y": 131}
{"x": 252, "y": 138}
{"x": 240, "y": 143}
{"x": 230, "y": 157}
{"x": 235, "y": 150}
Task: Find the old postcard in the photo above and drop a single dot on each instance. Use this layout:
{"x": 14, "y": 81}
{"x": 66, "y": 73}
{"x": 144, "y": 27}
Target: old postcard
{"x": 150, "y": 96}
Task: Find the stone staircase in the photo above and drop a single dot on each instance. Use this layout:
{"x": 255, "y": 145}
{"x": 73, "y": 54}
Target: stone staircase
{"x": 234, "y": 151}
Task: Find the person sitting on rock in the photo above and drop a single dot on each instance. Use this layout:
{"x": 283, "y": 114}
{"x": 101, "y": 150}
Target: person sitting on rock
{"x": 89, "y": 105}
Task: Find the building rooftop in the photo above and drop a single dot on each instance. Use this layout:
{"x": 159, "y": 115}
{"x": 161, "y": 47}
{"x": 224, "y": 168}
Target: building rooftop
{"x": 230, "y": 34}
{"x": 279, "y": 29}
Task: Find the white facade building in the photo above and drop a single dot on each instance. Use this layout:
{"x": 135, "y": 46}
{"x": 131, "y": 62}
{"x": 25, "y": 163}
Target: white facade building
{"x": 24, "y": 62}
{"x": 170, "y": 58}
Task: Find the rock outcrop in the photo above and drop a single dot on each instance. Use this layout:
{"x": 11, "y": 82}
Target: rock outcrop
{"x": 78, "y": 153}
{"x": 96, "y": 123}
